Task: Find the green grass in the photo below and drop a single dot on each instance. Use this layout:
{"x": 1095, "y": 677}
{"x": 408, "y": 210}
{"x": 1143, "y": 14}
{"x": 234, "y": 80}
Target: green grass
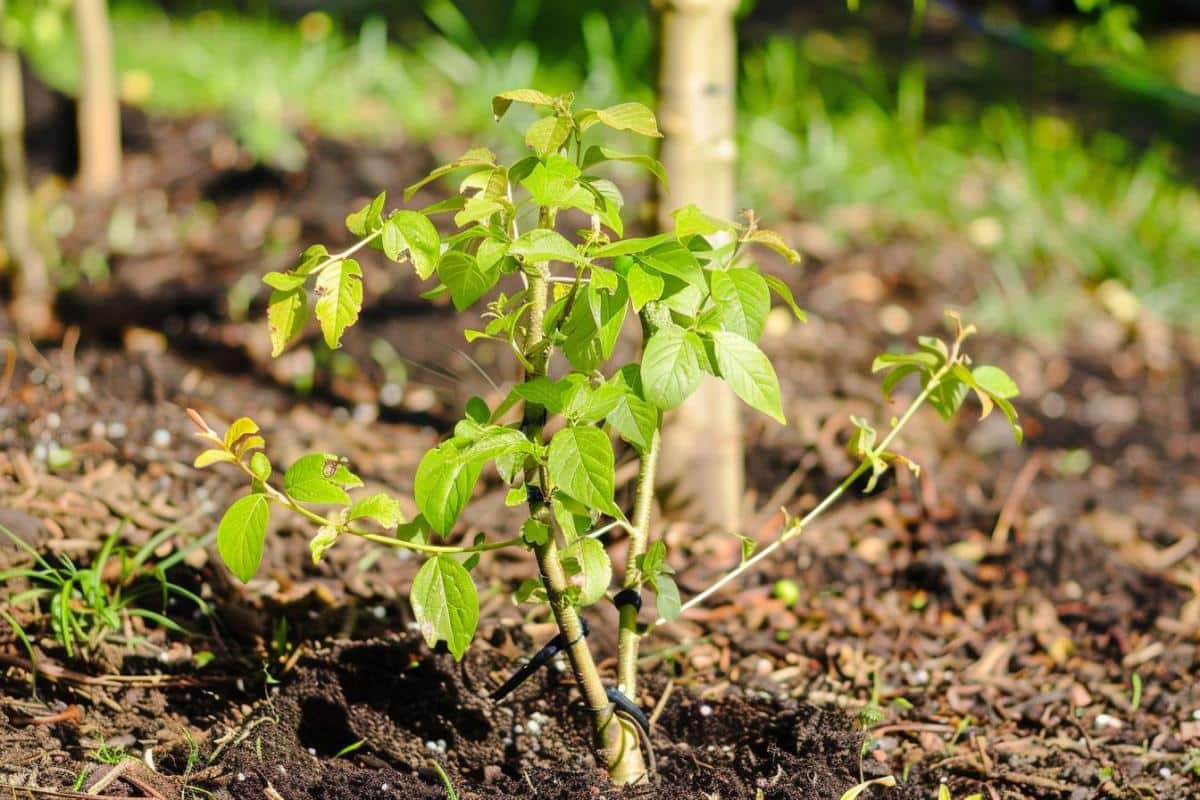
{"x": 85, "y": 606}
{"x": 271, "y": 78}
{"x": 827, "y": 127}
{"x": 1051, "y": 206}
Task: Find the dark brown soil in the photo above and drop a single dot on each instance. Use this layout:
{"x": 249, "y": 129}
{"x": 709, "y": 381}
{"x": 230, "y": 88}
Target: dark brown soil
{"x": 1004, "y": 600}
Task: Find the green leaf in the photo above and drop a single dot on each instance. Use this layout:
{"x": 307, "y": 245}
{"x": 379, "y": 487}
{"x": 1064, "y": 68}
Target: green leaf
{"x": 633, "y": 418}
{"x": 319, "y": 478}
{"x": 369, "y": 218}
{"x": 690, "y": 221}
{"x": 490, "y": 183}
{"x": 609, "y": 210}
{"x": 511, "y": 467}
{"x": 947, "y": 397}
{"x": 592, "y": 329}
{"x": 214, "y": 456}
{"x": 310, "y": 259}
{"x": 287, "y": 314}
{"x": 785, "y": 294}
{"x": 496, "y": 441}
{"x": 862, "y": 441}
{"x": 543, "y": 392}
{"x": 547, "y": 135}
{"x": 749, "y": 373}
{"x": 260, "y": 466}
{"x": 241, "y": 534}
{"x": 476, "y": 157}
{"x": 653, "y": 563}
{"x": 239, "y": 433}
{"x": 535, "y": 532}
{"x": 585, "y": 405}
{"x": 339, "y": 298}
{"x": 540, "y": 245}
{"x": 995, "y": 382}
{"x": 633, "y": 117}
{"x": 667, "y": 593}
{"x": 775, "y": 242}
{"x": 597, "y": 154}
{"x": 671, "y": 366}
{"x": 604, "y": 279}
{"x": 644, "y": 287}
{"x": 419, "y": 237}
{"x": 284, "y": 281}
{"x": 626, "y": 247}
{"x": 1011, "y": 414}
{"x": 479, "y": 209}
{"x": 503, "y": 101}
{"x": 594, "y": 569}
{"x": 530, "y": 589}
{"x": 380, "y": 507}
{"x": 743, "y": 299}
{"x": 465, "y": 279}
{"x": 887, "y": 781}
{"x": 580, "y": 462}
{"x": 676, "y": 260}
{"x": 477, "y": 410}
{"x": 935, "y": 347}
{"x": 445, "y": 604}
{"x": 923, "y": 361}
{"x": 443, "y": 485}
{"x": 324, "y": 539}
{"x": 554, "y": 183}
{"x": 893, "y": 378}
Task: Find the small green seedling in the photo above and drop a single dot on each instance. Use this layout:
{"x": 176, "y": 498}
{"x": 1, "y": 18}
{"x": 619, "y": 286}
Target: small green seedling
{"x": 557, "y": 301}
{"x": 84, "y": 607}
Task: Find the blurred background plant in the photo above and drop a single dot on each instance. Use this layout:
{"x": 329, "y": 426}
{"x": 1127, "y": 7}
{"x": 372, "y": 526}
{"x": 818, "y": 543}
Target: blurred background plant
{"x": 1053, "y": 138}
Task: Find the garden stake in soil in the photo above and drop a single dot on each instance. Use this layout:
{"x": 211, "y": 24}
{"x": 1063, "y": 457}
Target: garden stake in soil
{"x": 702, "y": 305}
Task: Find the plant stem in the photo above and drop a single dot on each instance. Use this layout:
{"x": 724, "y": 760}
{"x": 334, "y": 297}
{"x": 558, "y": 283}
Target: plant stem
{"x": 639, "y": 538}
{"x": 618, "y": 745}
{"x": 796, "y": 528}
{"x": 421, "y": 547}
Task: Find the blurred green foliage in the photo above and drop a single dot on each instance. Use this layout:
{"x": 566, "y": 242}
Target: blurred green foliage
{"x": 993, "y": 130}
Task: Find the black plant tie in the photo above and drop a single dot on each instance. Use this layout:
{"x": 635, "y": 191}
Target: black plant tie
{"x": 552, "y": 648}
{"x": 628, "y": 597}
{"x": 629, "y": 709}
{"x": 533, "y": 494}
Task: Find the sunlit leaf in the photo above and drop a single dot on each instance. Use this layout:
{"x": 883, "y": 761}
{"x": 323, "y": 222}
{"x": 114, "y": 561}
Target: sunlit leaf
{"x": 445, "y": 604}
{"x": 503, "y": 101}
{"x": 594, "y": 569}
{"x": 548, "y": 134}
{"x": 749, "y": 373}
{"x": 596, "y": 155}
{"x": 241, "y": 534}
{"x": 287, "y": 314}
{"x": 465, "y": 279}
{"x": 443, "y": 485}
{"x": 580, "y": 463}
{"x": 743, "y": 299}
{"x": 671, "y": 366}
{"x": 339, "y": 292}
{"x": 379, "y": 507}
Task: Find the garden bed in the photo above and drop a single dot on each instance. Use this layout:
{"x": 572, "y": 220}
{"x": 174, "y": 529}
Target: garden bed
{"x": 1004, "y": 599}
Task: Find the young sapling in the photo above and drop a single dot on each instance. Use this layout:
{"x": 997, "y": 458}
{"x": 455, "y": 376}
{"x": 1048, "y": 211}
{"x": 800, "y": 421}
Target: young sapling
{"x": 558, "y": 302}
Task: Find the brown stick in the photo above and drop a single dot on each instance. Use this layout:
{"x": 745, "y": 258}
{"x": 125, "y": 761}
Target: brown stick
{"x": 1012, "y": 503}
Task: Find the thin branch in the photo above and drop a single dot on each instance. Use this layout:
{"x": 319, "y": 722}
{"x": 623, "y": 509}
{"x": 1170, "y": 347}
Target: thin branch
{"x": 797, "y": 527}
